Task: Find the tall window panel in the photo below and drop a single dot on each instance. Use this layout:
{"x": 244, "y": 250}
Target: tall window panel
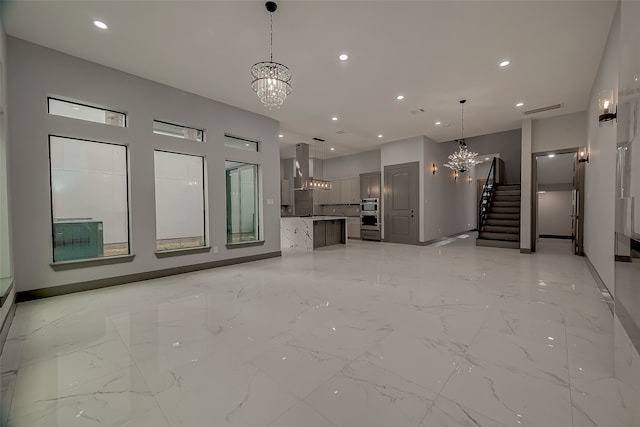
{"x": 180, "y": 201}
{"x": 242, "y": 202}
{"x": 89, "y": 195}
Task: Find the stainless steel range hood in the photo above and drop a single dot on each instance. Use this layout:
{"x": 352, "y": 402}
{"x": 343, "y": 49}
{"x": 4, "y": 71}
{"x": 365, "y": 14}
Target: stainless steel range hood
{"x": 301, "y": 166}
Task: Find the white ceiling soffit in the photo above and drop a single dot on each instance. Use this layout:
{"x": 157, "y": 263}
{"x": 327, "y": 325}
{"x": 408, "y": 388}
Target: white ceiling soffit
{"x": 432, "y": 52}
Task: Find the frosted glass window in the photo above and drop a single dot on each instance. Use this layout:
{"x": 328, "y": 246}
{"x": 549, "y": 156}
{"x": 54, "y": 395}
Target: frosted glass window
{"x": 84, "y": 112}
{"x": 89, "y": 195}
{"x": 177, "y": 131}
{"x": 242, "y": 202}
{"x": 240, "y": 143}
{"x": 180, "y": 192}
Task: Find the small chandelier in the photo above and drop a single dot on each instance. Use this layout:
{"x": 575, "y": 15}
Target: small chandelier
{"x": 463, "y": 159}
{"x": 271, "y": 80}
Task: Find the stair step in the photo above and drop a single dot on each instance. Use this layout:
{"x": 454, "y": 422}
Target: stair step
{"x": 500, "y": 236}
{"x": 500, "y": 192}
{"x": 506, "y": 199}
{"x": 500, "y": 209}
{"x": 498, "y": 244}
{"x": 508, "y": 187}
{"x": 504, "y": 222}
{"x": 506, "y": 203}
{"x": 509, "y": 216}
{"x": 501, "y": 229}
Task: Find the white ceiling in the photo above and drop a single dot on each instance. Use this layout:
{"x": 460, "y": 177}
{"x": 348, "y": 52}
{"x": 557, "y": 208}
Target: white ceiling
{"x": 433, "y": 52}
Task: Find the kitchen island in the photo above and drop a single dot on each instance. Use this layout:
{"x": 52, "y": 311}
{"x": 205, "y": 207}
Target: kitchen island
{"x": 307, "y": 233}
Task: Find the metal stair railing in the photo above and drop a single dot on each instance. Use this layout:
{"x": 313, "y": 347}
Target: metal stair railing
{"x": 487, "y": 194}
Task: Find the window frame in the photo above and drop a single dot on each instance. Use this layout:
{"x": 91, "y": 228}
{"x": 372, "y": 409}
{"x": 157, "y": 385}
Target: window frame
{"x": 88, "y": 262}
{"x": 258, "y": 144}
{"x": 164, "y": 122}
{"x": 259, "y": 240}
{"x": 205, "y": 247}
{"x": 84, "y": 104}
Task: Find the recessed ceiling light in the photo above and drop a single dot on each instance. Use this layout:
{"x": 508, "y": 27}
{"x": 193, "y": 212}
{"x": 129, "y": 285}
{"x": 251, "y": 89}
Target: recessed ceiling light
{"x": 281, "y": 136}
{"x": 551, "y": 156}
{"x": 332, "y": 149}
{"x": 486, "y": 158}
{"x": 400, "y": 97}
{"x": 519, "y": 104}
{"x": 334, "y": 118}
{"x": 438, "y": 123}
{"x": 343, "y": 57}
{"x": 75, "y": 108}
{"x": 380, "y": 136}
{"x": 100, "y": 25}
{"x": 505, "y": 63}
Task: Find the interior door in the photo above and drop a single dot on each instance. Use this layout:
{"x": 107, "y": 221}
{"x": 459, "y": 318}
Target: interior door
{"x": 401, "y": 203}
{"x": 574, "y": 220}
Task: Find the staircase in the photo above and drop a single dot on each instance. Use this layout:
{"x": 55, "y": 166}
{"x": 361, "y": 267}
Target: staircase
{"x": 501, "y": 225}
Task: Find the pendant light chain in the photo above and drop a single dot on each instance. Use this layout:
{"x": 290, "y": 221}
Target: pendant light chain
{"x": 462, "y": 113}
{"x": 462, "y": 160}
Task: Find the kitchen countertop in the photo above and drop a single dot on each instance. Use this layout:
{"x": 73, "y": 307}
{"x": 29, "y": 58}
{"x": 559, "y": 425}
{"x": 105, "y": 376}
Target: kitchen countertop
{"x": 317, "y": 217}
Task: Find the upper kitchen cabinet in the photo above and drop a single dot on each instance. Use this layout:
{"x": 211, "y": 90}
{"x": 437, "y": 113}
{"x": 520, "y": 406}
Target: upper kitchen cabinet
{"x": 350, "y": 191}
{"x": 370, "y": 185}
{"x": 320, "y": 197}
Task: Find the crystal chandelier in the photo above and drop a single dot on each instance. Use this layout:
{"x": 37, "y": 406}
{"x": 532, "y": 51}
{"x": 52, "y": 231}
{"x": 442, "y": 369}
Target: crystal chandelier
{"x": 463, "y": 159}
{"x": 271, "y": 80}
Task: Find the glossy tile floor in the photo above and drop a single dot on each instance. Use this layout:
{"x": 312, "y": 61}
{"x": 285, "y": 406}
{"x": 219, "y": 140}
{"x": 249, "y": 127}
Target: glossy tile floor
{"x": 368, "y": 335}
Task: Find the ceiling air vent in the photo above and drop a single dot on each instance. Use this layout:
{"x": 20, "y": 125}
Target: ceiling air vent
{"x": 540, "y": 110}
{"x": 318, "y": 139}
{"x": 417, "y": 111}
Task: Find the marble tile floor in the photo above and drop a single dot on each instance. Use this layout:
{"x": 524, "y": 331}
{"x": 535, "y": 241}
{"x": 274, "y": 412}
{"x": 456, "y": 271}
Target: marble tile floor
{"x": 366, "y": 335}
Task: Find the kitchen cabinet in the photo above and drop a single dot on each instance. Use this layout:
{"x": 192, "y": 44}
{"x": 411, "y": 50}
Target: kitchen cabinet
{"x": 319, "y": 234}
{"x": 320, "y": 197}
{"x": 334, "y": 193}
{"x": 333, "y": 232}
{"x": 355, "y": 190}
{"x": 327, "y": 232}
{"x": 285, "y": 192}
{"x": 370, "y": 185}
{"x": 353, "y": 227}
{"x": 345, "y": 191}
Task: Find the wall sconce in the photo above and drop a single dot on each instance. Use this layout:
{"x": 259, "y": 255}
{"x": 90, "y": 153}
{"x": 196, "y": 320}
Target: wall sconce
{"x": 606, "y": 106}
{"x": 469, "y": 179}
{"x": 583, "y": 155}
{"x": 455, "y": 175}
{"x": 434, "y": 168}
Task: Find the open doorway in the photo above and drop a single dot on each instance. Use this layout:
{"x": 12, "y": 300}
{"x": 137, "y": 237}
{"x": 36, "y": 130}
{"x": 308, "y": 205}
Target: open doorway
{"x": 557, "y": 203}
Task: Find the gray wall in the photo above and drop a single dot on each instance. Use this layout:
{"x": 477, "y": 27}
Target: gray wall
{"x": 353, "y": 165}
{"x": 36, "y": 72}
{"x": 6, "y": 256}
{"x": 507, "y": 143}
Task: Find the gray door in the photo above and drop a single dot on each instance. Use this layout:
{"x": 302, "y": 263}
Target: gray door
{"x": 401, "y": 203}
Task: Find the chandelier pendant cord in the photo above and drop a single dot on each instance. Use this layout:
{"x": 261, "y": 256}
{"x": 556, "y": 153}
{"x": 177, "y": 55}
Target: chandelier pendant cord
{"x": 462, "y": 113}
{"x": 271, "y": 32}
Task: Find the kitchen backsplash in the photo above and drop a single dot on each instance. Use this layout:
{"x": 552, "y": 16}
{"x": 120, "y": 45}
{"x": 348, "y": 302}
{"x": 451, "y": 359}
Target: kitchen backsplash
{"x": 341, "y": 210}
{"x": 337, "y": 210}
